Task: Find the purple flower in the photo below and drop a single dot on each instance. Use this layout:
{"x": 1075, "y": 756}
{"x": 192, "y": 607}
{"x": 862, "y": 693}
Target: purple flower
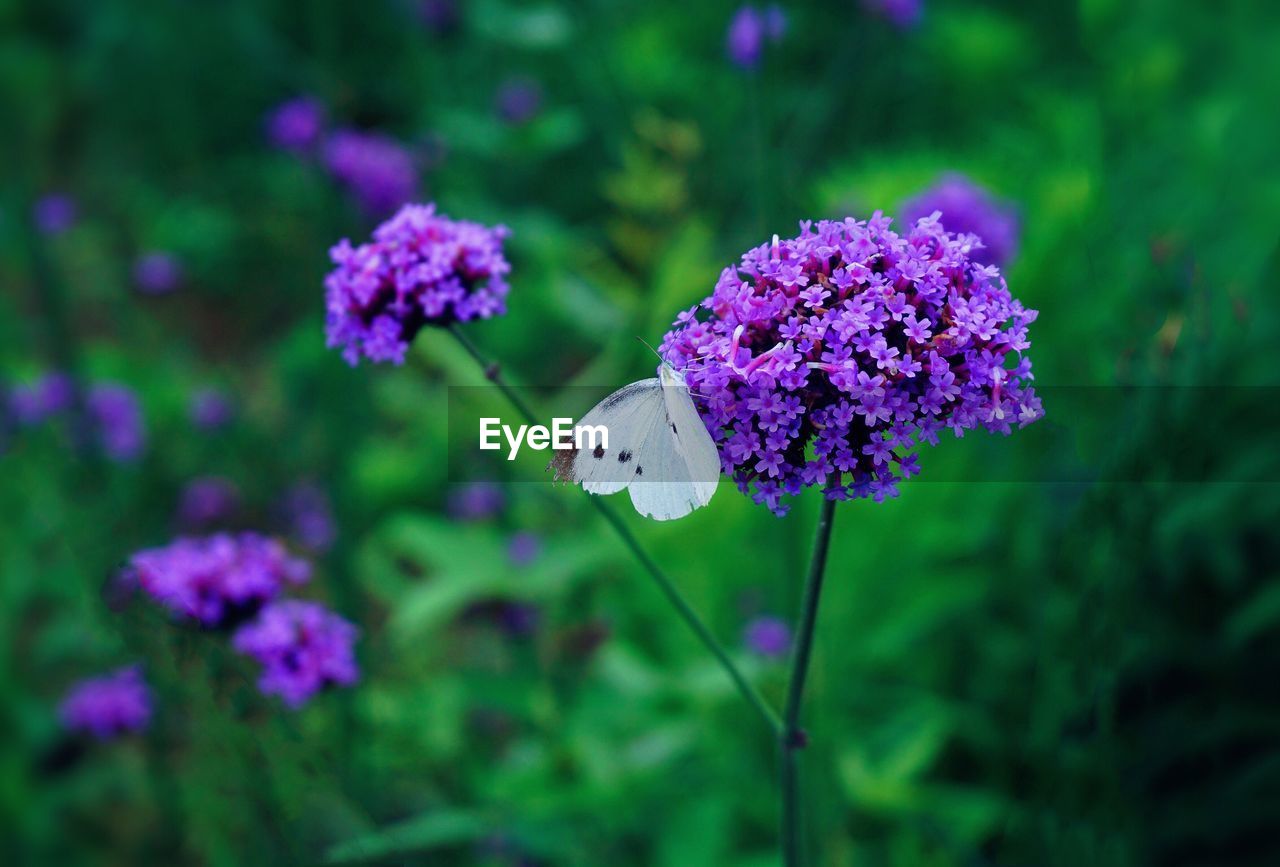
{"x": 217, "y": 579}
{"x": 852, "y": 367}
{"x": 475, "y": 501}
{"x": 439, "y": 16}
{"x": 157, "y": 272}
{"x": 210, "y": 409}
{"x": 303, "y": 647}
{"x": 107, "y": 706}
{"x": 55, "y": 213}
{"x": 117, "y": 421}
{"x": 519, "y": 100}
{"x": 309, "y": 516}
{"x": 524, "y": 548}
{"x": 968, "y": 209}
{"x": 748, "y": 31}
{"x": 378, "y": 170}
{"x": 768, "y": 636}
{"x": 296, "y": 124}
{"x": 902, "y": 14}
{"x": 421, "y": 268}
{"x": 37, "y": 402}
{"x": 207, "y": 501}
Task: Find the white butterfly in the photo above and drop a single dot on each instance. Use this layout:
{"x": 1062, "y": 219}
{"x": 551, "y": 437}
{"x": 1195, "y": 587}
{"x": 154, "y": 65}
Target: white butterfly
{"x": 658, "y": 449}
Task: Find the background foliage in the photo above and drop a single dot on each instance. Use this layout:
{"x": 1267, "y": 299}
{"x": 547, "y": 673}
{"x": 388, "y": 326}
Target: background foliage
{"x": 1051, "y": 649}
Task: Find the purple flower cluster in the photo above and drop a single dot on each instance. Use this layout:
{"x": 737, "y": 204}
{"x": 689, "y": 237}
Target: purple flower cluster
{"x": 378, "y": 170}
{"x": 210, "y": 409}
{"x": 903, "y": 14}
{"x": 309, "y": 516}
{"x": 302, "y": 646}
{"x": 826, "y": 356}
{"x": 107, "y": 706}
{"x": 969, "y": 209}
{"x": 157, "y": 272}
{"x": 750, "y": 29}
{"x": 207, "y": 501}
{"x": 519, "y": 100}
{"x": 421, "y": 268}
{"x": 296, "y": 124}
{"x": 768, "y": 636}
{"x": 475, "y": 501}
{"x": 217, "y": 579}
{"x": 55, "y": 213}
{"x": 114, "y": 414}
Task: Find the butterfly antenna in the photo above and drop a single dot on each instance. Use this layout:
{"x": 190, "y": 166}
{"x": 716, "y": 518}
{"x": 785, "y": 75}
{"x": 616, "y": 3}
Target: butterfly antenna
{"x": 651, "y": 349}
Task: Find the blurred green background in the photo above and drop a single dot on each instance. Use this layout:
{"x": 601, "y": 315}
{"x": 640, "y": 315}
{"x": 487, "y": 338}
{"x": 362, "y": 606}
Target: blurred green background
{"x": 1080, "y": 668}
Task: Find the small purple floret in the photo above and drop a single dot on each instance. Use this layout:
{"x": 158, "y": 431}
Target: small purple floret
{"x": 379, "y": 171}
{"x": 768, "y": 636}
{"x": 296, "y": 124}
{"x": 55, "y": 213}
{"x": 157, "y": 273}
{"x": 969, "y": 209}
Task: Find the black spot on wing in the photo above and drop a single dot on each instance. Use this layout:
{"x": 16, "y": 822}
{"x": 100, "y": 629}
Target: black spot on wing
{"x": 673, "y": 429}
{"x": 624, "y": 456}
{"x": 598, "y": 453}
{"x": 639, "y": 470}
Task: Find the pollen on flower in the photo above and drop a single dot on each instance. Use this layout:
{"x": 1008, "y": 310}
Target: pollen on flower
{"x": 421, "y": 268}
{"x": 823, "y": 357}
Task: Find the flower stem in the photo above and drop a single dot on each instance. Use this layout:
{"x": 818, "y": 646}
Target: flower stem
{"x": 793, "y": 738}
{"x": 668, "y": 588}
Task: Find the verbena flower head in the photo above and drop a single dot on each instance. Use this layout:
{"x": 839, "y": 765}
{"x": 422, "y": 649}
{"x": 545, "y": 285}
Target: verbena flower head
{"x": 475, "y": 501}
{"x": 303, "y": 647}
{"x": 825, "y": 357}
{"x": 117, "y": 420}
{"x": 378, "y": 170}
{"x": 902, "y": 14}
{"x": 216, "y": 580}
{"x": 157, "y": 272}
{"x": 39, "y": 401}
{"x": 296, "y": 124}
{"x": 519, "y": 100}
{"x": 969, "y": 209}
{"x": 309, "y": 516}
{"x": 749, "y": 29}
{"x": 207, "y": 501}
{"x": 524, "y": 548}
{"x": 107, "y": 706}
{"x": 55, "y": 213}
{"x": 768, "y": 636}
{"x": 421, "y": 268}
{"x": 210, "y": 409}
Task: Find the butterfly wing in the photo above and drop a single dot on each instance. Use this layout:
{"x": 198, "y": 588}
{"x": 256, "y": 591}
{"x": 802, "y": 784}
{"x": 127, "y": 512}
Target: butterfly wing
{"x": 628, "y": 414}
{"x": 678, "y": 468}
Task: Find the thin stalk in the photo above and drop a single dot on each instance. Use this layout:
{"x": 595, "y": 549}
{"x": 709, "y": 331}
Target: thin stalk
{"x": 493, "y": 373}
{"x": 793, "y": 738}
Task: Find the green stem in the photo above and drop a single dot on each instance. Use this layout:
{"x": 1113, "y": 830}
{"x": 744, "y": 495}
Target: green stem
{"x": 793, "y": 738}
{"x": 668, "y": 588}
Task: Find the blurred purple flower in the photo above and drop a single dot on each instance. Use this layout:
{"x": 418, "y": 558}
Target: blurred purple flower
{"x": 157, "y": 272}
{"x": 378, "y": 170}
{"x": 969, "y": 209}
{"x": 519, "y": 619}
{"x": 768, "y": 636}
{"x": 902, "y": 14}
{"x": 107, "y": 706}
{"x": 207, "y": 501}
{"x": 309, "y": 516}
{"x": 748, "y": 31}
{"x": 524, "y": 548}
{"x": 36, "y": 402}
{"x": 217, "y": 579}
{"x": 303, "y": 647}
{"x": 519, "y": 100}
{"x": 117, "y": 421}
{"x": 55, "y": 213}
{"x": 439, "y": 16}
{"x": 296, "y": 124}
{"x": 475, "y": 501}
{"x": 210, "y": 409}
{"x": 421, "y": 268}
{"x": 825, "y": 355}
